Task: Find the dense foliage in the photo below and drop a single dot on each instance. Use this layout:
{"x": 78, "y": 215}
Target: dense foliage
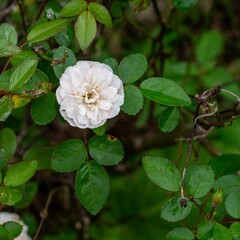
{"x": 167, "y": 166}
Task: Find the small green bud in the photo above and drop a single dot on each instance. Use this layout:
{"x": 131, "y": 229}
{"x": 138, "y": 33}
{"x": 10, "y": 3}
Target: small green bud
{"x": 217, "y": 197}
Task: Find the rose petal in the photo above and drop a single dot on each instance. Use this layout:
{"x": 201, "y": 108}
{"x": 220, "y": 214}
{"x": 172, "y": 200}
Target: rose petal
{"x": 89, "y": 94}
{"x": 104, "y": 105}
{"x": 93, "y": 113}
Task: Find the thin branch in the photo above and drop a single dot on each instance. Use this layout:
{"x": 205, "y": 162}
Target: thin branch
{"x": 204, "y": 116}
{"x": 6, "y": 66}
{"x": 184, "y": 171}
{"x": 41, "y": 9}
{"x": 22, "y": 15}
{"x": 161, "y": 53}
{"x": 231, "y": 93}
{"x": 200, "y": 208}
{"x": 44, "y": 213}
{"x": 230, "y": 221}
{"x": 7, "y": 10}
{"x": 8, "y": 61}
{"x": 210, "y": 147}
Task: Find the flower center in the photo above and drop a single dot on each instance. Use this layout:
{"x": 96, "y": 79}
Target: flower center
{"x": 91, "y": 96}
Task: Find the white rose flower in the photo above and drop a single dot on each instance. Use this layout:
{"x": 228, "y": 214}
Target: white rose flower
{"x": 6, "y": 217}
{"x": 89, "y": 94}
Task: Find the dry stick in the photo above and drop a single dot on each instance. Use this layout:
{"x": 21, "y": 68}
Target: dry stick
{"x": 44, "y": 213}
{"x": 183, "y": 200}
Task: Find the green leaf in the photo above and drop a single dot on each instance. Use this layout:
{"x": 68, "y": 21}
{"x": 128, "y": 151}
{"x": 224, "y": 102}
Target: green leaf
{"x": 46, "y": 102}
{"x": 132, "y": 67}
{"x": 20, "y": 57}
{"x": 8, "y": 144}
{"x": 235, "y": 230}
{"x": 92, "y": 186}
{"x": 33, "y": 85}
{"x": 4, "y": 79}
{"x": 28, "y": 194}
{"x": 205, "y": 230}
{"x": 225, "y": 164}
{"x": 41, "y": 154}
{"x": 169, "y": 119}
{"x": 101, "y": 13}
{"x": 73, "y": 8}
{"x": 228, "y": 184}
{"x": 22, "y": 74}
{"x": 201, "y": 180}
{"x": 46, "y": 30}
{"x": 106, "y": 149}
{"x": 162, "y": 172}
{"x": 20, "y": 173}
{"x": 4, "y": 234}
{"x": 1, "y": 176}
{"x": 232, "y": 204}
{"x": 180, "y": 233}
{"x": 133, "y": 100}
{"x": 85, "y": 29}
{"x": 209, "y": 46}
{"x": 6, "y": 106}
{"x": 14, "y": 228}
{"x": 31, "y": 221}
{"x": 69, "y": 156}
{"x": 100, "y": 130}
{"x": 164, "y": 91}
{"x": 8, "y": 35}
{"x": 37, "y": 86}
{"x": 184, "y": 4}
{"x": 66, "y": 36}
{"x": 220, "y": 232}
{"x": 9, "y": 51}
{"x": 113, "y": 64}
{"x": 69, "y": 60}
{"x": 9, "y": 195}
{"x": 172, "y": 210}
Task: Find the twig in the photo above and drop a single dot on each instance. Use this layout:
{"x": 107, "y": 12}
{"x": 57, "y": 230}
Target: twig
{"x": 212, "y": 211}
{"x": 200, "y": 208}
{"x": 205, "y": 115}
{"x": 41, "y": 9}
{"x": 7, "y": 10}
{"x": 201, "y": 211}
{"x": 22, "y": 16}
{"x": 8, "y": 61}
{"x": 209, "y": 146}
{"x": 230, "y": 221}
{"x": 6, "y": 66}
{"x": 161, "y": 53}
{"x": 231, "y": 93}
{"x": 45, "y": 210}
{"x": 183, "y": 201}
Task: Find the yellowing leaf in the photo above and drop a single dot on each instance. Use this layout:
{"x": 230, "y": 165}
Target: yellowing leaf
{"x": 19, "y": 101}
